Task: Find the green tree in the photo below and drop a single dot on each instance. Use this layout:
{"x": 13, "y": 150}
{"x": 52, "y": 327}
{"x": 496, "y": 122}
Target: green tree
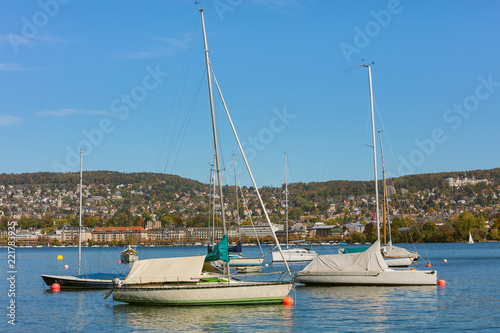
{"x": 464, "y": 223}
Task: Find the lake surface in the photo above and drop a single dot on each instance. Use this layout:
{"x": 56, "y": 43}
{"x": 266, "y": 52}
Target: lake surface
{"x": 469, "y": 302}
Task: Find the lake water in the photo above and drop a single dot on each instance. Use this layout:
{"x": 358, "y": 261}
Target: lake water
{"x": 469, "y": 302}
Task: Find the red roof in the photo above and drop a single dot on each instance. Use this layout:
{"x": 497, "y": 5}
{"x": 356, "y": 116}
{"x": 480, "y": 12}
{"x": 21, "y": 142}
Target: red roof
{"x": 119, "y": 229}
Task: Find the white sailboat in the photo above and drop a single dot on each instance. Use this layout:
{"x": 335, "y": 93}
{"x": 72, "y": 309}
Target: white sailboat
{"x": 394, "y": 256}
{"x": 237, "y": 260}
{"x": 87, "y": 281}
{"x": 182, "y": 281}
{"x": 471, "y": 241}
{"x": 368, "y": 267}
{"x": 296, "y": 254}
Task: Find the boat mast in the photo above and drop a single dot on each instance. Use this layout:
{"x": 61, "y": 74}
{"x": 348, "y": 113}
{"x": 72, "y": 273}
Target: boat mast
{"x": 384, "y": 216}
{"x": 80, "y": 215}
{"x": 214, "y": 128}
{"x": 253, "y": 180}
{"x": 286, "y": 198}
{"x": 237, "y": 204}
{"x": 374, "y": 150}
{"x": 386, "y": 199}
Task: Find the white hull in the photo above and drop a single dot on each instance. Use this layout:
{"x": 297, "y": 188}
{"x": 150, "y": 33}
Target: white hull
{"x": 295, "y": 255}
{"x": 234, "y": 292}
{"x": 249, "y": 269}
{"x": 398, "y": 262}
{"x": 242, "y": 261}
{"x": 388, "y": 277}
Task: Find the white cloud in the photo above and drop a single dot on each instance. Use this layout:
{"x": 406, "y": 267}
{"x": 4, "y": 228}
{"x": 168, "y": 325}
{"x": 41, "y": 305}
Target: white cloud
{"x": 11, "y": 67}
{"x": 9, "y": 121}
{"x": 71, "y": 112}
{"x": 170, "y": 46}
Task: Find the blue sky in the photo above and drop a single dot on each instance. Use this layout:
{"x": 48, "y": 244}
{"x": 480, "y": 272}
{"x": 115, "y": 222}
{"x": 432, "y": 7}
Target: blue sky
{"x": 125, "y": 80}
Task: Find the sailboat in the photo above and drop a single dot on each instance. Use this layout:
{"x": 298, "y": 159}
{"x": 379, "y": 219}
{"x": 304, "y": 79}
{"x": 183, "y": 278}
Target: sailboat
{"x": 87, "y": 281}
{"x": 129, "y": 255}
{"x": 236, "y": 259}
{"x": 364, "y": 268}
{"x": 295, "y": 254}
{"x": 183, "y": 281}
{"x": 471, "y": 241}
{"x": 394, "y": 256}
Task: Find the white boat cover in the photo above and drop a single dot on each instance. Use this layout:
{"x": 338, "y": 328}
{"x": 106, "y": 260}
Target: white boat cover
{"x": 398, "y": 252}
{"x": 369, "y": 262}
{"x": 182, "y": 269}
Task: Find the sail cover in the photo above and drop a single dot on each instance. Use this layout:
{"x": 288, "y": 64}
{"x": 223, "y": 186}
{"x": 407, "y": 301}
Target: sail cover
{"x": 220, "y": 251}
{"x": 182, "y": 269}
{"x": 369, "y": 262}
{"x": 397, "y": 252}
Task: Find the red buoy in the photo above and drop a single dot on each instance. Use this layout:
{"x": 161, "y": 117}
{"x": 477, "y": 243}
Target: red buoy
{"x": 66, "y": 266}
{"x": 119, "y": 261}
{"x": 441, "y": 283}
{"x": 428, "y": 265}
{"x": 55, "y": 287}
{"x": 288, "y": 301}
{"x": 445, "y": 260}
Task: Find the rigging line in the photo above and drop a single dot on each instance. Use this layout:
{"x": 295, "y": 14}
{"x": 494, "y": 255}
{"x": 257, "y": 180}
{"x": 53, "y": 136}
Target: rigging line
{"x": 251, "y": 220}
{"x": 184, "y": 127}
{"x": 334, "y": 125}
{"x": 182, "y": 83}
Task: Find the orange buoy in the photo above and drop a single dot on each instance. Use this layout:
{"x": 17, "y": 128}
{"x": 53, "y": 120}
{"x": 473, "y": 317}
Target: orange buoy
{"x": 55, "y": 287}
{"x": 428, "y": 265}
{"x": 441, "y": 283}
{"x": 119, "y": 261}
{"x": 413, "y": 269}
{"x": 66, "y": 266}
{"x": 445, "y": 260}
{"x": 288, "y": 301}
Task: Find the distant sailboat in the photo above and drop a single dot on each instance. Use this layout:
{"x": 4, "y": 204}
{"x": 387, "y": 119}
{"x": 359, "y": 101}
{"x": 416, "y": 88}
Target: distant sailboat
{"x": 295, "y": 254}
{"x": 394, "y": 256}
{"x": 471, "y": 241}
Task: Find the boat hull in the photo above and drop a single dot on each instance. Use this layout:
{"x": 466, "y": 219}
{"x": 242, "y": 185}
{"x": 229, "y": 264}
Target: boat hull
{"x": 127, "y": 258}
{"x": 398, "y": 262}
{"x": 249, "y": 269}
{"x": 388, "y": 277}
{"x": 242, "y": 261}
{"x": 74, "y": 282}
{"x": 296, "y": 255}
{"x": 206, "y": 293}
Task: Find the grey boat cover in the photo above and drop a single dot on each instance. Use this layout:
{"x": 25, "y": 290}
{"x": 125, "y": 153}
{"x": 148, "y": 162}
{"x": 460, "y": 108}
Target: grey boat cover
{"x": 369, "y": 262}
{"x": 391, "y": 251}
{"x": 182, "y": 269}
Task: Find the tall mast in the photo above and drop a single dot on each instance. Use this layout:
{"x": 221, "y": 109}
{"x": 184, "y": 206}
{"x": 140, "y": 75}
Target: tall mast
{"x": 286, "y": 197}
{"x": 384, "y": 216}
{"x": 386, "y": 203}
{"x": 251, "y": 177}
{"x": 80, "y": 215}
{"x": 236, "y": 189}
{"x": 216, "y": 148}
{"x": 374, "y": 151}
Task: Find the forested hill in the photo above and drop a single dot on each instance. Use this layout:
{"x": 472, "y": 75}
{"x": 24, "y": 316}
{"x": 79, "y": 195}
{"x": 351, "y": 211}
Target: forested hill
{"x": 312, "y": 190}
{"x": 111, "y": 178}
